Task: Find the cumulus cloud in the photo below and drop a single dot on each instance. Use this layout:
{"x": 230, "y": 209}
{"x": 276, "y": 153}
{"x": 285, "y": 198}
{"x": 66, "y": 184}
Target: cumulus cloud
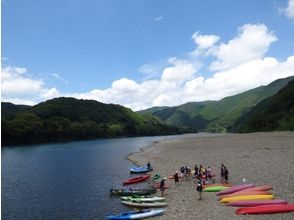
{"x": 18, "y": 87}
{"x": 289, "y": 11}
{"x": 252, "y": 42}
{"x": 235, "y": 66}
{"x": 204, "y": 41}
{"x": 180, "y": 71}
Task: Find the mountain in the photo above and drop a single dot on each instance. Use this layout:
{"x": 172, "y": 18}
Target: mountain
{"x": 9, "y": 110}
{"x": 218, "y": 116}
{"x": 152, "y": 110}
{"x": 62, "y": 119}
{"x": 275, "y": 113}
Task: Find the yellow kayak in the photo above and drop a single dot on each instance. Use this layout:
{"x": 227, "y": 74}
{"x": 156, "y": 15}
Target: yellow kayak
{"x": 250, "y": 197}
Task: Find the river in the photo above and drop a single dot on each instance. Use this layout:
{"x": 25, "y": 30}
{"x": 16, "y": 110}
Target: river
{"x": 66, "y": 180}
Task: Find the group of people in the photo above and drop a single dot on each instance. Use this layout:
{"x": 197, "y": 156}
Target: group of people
{"x": 205, "y": 174}
{"x": 202, "y": 176}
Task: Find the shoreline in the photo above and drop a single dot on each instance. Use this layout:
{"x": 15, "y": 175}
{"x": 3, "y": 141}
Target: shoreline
{"x": 258, "y": 158}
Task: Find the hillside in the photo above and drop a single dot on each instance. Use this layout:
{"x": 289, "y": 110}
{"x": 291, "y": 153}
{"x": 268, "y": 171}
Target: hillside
{"x": 68, "y": 119}
{"x": 218, "y": 116}
{"x": 9, "y": 110}
{"x": 276, "y": 113}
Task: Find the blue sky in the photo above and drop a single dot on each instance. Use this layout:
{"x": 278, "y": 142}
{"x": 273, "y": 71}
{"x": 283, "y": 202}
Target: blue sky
{"x": 142, "y": 53}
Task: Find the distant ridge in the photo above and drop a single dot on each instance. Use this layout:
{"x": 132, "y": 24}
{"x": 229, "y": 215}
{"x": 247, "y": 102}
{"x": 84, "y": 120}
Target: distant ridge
{"x": 217, "y": 116}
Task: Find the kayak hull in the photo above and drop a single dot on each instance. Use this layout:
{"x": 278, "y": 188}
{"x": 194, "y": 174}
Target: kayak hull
{"x": 130, "y": 192}
{"x": 214, "y": 188}
{"x": 136, "y": 179}
{"x": 137, "y": 214}
{"x": 235, "y": 189}
{"x": 216, "y": 184}
{"x": 144, "y": 204}
{"x": 140, "y": 169}
{"x": 252, "y": 203}
{"x": 266, "y": 209}
{"x": 250, "y": 197}
{"x": 245, "y": 193}
{"x": 143, "y": 198}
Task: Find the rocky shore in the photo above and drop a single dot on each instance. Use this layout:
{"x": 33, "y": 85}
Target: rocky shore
{"x": 259, "y": 158}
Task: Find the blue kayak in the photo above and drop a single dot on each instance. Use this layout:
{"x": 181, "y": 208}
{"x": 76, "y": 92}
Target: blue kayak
{"x": 137, "y": 214}
{"x": 140, "y": 169}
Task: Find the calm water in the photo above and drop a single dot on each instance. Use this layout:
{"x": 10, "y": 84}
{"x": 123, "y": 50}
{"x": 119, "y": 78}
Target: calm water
{"x": 67, "y": 180}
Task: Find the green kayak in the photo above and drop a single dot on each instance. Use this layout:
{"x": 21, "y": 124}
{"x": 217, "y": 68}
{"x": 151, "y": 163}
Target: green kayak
{"x": 156, "y": 177}
{"x": 214, "y": 188}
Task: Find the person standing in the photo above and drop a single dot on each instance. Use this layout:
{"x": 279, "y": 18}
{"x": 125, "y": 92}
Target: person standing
{"x": 226, "y": 175}
{"x": 162, "y": 186}
{"x": 199, "y": 187}
{"x": 149, "y": 166}
{"x": 222, "y": 173}
{"x": 176, "y": 178}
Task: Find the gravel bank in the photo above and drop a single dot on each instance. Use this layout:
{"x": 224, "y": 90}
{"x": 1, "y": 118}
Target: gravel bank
{"x": 259, "y": 158}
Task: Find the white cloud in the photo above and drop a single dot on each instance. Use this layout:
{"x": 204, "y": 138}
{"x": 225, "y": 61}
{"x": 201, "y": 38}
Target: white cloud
{"x": 236, "y": 66}
{"x": 252, "y": 43}
{"x": 180, "y": 71}
{"x": 238, "y": 79}
{"x": 205, "y": 41}
{"x": 19, "y": 87}
{"x": 289, "y": 11}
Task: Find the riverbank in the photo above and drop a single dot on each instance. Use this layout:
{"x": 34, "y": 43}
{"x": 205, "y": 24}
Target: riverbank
{"x": 259, "y": 158}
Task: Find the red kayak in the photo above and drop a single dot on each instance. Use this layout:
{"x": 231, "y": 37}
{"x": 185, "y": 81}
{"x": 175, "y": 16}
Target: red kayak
{"x": 136, "y": 179}
{"x": 266, "y": 209}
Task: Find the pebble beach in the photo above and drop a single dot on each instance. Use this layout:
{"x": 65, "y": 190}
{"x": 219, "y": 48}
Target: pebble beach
{"x": 258, "y": 158}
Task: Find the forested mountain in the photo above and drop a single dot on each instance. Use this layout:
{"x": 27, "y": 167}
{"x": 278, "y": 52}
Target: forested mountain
{"x": 276, "y": 113}
{"x": 68, "y": 118}
{"x": 218, "y": 116}
{"x": 9, "y": 110}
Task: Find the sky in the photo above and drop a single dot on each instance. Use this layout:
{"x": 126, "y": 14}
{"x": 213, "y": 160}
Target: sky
{"x": 143, "y": 53}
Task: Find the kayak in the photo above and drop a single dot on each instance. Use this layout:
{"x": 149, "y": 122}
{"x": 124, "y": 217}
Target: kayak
{"x": 140, "y": 169}
{"x": 235, "y": 189}
{"x": 259, "y": 188}
{"x": 136, "y": 179}
{"x": 143, "y": 198}
{"x": 214, "y": 188}
{"x": 144, "y": 204}
{"x": 216, "y": 184}
{"x": 250, "y": 203}
{"x": 249, "y": 197}
{"x": 245, "y": 193}
{"x": 137, "y": 214}
{"x": 156, "y": 177}
{"x": 266, "y": 209}
{"x": 129, "y": 192}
